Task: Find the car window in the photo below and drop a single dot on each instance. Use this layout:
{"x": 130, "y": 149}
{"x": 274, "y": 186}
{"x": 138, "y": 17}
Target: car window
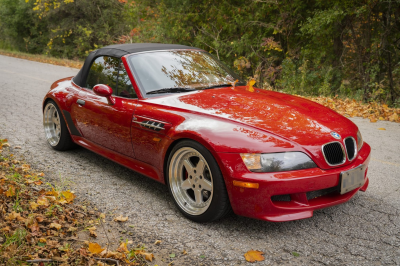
{"x": 104, "y": 70}
{"x": 179, "y": 69}
{"x": 111, "y": 71}
{"x": 124, "y": 88}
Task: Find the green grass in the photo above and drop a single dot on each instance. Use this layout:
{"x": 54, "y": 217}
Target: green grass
{"x": 41, "y": 58}
{"x": 18, "y": 238}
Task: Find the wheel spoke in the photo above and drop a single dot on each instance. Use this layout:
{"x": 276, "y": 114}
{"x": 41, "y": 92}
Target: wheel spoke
{"x": 54, "y": 120}
{"x": 200, "y": 167}
{"x": 189, "y": 166}
{"x": 206, "y": 185}
{"x": 186, "y": 184}
{"x": 198, "y": 196}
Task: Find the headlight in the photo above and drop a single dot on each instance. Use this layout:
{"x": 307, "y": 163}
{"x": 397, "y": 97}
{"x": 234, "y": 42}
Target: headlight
{"x": 277, "y": 162}
{"x": 360, "y": 141}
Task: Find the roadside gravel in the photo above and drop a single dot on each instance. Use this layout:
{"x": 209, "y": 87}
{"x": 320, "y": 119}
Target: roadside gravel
{"x": 364, "y": 231}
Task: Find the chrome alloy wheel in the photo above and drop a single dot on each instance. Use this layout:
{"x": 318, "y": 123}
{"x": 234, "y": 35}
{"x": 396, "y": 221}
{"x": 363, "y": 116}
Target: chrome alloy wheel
{"x": 190, "y": 180}
{"x": 52, "y": 124}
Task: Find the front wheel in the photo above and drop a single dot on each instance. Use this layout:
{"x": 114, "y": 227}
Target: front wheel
{"x": 196, "y": 183}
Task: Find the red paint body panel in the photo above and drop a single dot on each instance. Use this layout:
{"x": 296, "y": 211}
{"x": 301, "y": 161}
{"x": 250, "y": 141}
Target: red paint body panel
{"x": 138, "y": 166}
{"x": 257, "y": 203}
{"x": 227, "y": 121}
{"x": 105, "y": 124}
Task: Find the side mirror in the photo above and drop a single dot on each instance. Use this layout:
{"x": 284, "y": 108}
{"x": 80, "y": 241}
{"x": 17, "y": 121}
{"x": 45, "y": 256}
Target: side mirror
{"x": 104, "y": 91}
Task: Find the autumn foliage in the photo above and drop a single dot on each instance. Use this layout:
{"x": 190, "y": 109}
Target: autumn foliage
{"x": 39, "y": 223}
{"x": 352, "y": 108}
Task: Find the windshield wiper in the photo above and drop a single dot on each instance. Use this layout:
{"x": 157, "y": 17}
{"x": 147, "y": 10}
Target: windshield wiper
{"x": 221, "y": 85}
{"x": 168, "y": 90}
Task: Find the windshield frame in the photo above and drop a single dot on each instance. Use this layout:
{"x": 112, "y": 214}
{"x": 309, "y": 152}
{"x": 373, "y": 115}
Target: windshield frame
{"x": 141, "y": 87}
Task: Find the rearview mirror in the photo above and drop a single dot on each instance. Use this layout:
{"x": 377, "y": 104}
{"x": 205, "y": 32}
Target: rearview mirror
{"x": 104, "y": 91}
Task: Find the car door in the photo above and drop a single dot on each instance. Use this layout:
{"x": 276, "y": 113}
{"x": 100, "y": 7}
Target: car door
{"x": 149, "y": 132}
{"x": 99, "y": 122}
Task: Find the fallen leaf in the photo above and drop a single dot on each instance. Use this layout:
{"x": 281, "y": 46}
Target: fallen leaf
{"x": 7, "y": 228}
{"x": 147, "y": 256}
{"x": 11, "y": 191}
{"x": 92, "y": 231}
{"x": 26, "y": 167}
{"x": 55, "y": 225}
{"x": 72, "y": 229}
{"x": 69, "y": 196}
{"x": 394, "y": 117}
{"x": 51, "y": 198}
{"x": 62, "y": 201}
{"x": 33, "y": 205}
{"x": 42, "y": 201}
{"x": 115, "y": 255}
{"x": 381, "y": 128}
{"x": 83, "y": 252}
{"x": 184, "y": 252}
{"x": 42, "y": 240}
{"x": 158, "y": 242}
{"x": 121, "y": 219}
{"x": 103, "y": 217}
{"x": 95, "y": 248}
{"x": 254, "y": 255}
{"x": 14, "y": 216}
{"x": 53, "y": 192}
{"x": 250, "y": 85}
{"x": 123, "y": 248}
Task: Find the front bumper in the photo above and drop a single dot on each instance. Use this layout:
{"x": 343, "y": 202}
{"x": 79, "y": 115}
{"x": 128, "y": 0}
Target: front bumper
{"x": 287, "y": 196}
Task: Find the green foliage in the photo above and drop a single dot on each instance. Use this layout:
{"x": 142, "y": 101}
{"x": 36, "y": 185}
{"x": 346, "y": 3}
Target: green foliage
{"x": 65, "y": 28}
{"x": 19, "y": 27}
{"x": 312, "y": 47}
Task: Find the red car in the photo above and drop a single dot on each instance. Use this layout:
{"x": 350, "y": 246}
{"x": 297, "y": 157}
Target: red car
{"x": 178, "y": 115}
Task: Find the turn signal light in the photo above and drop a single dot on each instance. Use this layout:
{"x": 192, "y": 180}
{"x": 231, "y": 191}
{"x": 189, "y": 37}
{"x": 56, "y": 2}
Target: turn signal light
{"x": 245, "y": 184}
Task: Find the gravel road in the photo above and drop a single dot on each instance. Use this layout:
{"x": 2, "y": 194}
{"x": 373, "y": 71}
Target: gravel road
{"x": 364, "y": 231}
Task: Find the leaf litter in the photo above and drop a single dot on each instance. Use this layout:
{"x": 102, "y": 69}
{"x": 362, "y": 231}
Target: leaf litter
{"x": 373, "y": 111}
{"x": 41, "y": 224}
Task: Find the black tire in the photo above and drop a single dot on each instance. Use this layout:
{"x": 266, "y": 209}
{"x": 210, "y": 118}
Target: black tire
{"x": 57, "y": 134}
{"x": 217, "y": 204}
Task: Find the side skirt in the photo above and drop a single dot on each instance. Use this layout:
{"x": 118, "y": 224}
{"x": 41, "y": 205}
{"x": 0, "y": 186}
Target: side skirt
{"x": 135, "y": 165}
{"x": 71, "y": 125}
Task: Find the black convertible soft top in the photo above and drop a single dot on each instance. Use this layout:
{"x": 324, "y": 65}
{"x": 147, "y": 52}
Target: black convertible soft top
{"x": 119, "y": 50}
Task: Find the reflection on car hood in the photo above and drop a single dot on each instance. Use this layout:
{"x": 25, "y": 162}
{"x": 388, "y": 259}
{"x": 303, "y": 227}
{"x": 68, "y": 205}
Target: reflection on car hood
{"x": 291, "y": 117}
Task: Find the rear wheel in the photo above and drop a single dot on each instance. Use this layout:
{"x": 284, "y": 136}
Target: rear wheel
{"x": 55, "y": 129}
{"x": 196, "y": 183}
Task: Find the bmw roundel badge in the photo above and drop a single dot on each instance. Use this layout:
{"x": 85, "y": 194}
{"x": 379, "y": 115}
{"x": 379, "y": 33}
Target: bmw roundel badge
{"x": 335, "y": 135}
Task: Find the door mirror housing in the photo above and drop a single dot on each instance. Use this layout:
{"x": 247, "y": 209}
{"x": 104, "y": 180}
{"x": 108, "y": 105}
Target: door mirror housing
{"x": 104, "y": 91}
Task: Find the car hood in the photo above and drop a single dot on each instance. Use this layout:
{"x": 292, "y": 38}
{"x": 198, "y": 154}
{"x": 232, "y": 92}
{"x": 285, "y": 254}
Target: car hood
{"x": 293, "y": 118}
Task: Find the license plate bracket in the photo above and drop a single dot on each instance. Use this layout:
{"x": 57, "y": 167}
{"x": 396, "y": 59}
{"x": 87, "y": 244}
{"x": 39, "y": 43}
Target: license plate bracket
{"x": 352, "y": 179}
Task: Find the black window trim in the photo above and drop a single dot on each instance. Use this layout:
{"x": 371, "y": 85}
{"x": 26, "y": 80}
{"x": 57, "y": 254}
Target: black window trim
{"x": 119, "y": 66}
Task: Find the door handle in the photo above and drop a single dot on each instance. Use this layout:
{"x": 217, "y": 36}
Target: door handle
{"x": 80, "y": 102}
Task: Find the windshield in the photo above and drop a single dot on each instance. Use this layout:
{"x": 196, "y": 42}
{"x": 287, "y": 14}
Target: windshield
{"x": 183, "y": 69}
